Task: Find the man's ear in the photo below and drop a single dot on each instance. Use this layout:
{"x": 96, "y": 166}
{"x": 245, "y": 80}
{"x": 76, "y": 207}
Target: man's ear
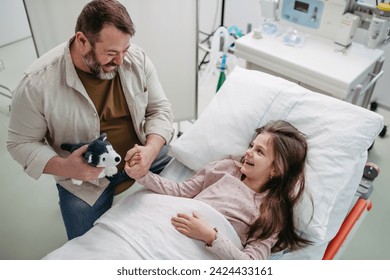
{"x": 80, "y": 37}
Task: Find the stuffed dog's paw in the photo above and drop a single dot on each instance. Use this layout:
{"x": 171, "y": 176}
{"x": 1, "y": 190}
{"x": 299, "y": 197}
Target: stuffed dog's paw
{"x": 110, "y": 171}
{"x": 76, "y": 182}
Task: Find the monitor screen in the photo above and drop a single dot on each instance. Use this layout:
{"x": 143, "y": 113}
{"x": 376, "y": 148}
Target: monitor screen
{"x": 301, "y": 6}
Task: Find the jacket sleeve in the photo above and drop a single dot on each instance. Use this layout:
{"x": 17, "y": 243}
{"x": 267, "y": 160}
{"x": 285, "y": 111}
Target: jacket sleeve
{"x": 26, "y": 131}
{"x": 158, "y": 116}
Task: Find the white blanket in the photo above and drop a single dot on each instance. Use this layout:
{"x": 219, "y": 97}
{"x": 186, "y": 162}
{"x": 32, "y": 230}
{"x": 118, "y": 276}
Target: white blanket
{"x": 139, "y": 227}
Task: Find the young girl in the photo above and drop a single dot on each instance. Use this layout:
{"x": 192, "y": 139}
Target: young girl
{"x": 257, "y": 195}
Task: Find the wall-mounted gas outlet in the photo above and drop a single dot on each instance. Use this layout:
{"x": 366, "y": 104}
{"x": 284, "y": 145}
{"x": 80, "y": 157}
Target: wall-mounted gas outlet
{"x": 2, "y": 65}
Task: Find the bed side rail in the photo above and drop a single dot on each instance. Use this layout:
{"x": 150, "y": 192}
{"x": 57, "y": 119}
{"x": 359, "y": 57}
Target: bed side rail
{"x": 357, "y": 213}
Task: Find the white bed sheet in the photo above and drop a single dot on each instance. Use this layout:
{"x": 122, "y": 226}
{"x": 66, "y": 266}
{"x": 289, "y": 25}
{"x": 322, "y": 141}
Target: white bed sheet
{"x": 139, "y": 228}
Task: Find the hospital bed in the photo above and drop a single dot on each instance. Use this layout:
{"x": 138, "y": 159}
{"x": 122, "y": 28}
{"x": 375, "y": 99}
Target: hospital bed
{"x": 339, "y": 135}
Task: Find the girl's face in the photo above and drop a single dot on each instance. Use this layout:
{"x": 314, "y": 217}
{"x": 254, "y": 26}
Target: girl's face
{"x": 258, "y": 163}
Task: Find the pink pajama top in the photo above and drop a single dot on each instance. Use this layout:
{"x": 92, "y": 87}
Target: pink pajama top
{"x": 219, "y": 185}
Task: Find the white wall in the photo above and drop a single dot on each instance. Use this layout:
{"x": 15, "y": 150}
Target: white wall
{"x": 16, "y": 45}
{"x": 15, "y": 58}
{"x": 52, "y": 22}
{"x": 13, "y": 22}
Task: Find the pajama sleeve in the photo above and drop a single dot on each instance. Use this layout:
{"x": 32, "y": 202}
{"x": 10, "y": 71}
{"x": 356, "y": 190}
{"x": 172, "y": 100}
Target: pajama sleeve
{"x": 255, "y": 249}
{"x": 189, "y": 188}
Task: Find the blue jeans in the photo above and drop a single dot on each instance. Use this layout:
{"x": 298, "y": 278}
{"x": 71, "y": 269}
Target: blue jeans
{"x": 79, "y": 216}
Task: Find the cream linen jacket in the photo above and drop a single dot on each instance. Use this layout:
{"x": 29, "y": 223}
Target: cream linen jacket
{"x": 50, "y": 106}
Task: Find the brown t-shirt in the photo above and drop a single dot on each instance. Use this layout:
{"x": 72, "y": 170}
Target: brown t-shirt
{"x": 114, "y": 114}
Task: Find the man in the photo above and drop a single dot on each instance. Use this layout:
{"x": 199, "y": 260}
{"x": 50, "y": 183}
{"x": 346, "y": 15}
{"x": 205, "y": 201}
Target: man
{"x": 96, "y": 82}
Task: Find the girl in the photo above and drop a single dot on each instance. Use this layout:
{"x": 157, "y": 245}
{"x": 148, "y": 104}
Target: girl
{"x": 257, "y": 195}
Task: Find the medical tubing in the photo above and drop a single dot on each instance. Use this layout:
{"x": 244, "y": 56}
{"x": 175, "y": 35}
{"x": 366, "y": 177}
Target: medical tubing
{"x": 215, "y": 53}
{"x": 222, "y": 75}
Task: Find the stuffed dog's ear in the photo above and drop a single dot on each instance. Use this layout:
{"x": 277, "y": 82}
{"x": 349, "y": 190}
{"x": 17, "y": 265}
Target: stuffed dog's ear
{"x": 88, "y": 157}
{"x": 103, "y": 137}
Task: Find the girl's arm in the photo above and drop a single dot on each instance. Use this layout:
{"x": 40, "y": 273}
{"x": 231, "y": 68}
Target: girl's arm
{"x": 195, "y": 227}
{"x": 188, "y": 188}
{"x": 224, "y": 249}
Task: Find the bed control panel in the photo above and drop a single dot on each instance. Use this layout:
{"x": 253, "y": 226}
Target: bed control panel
{"x": 366, "y": 186}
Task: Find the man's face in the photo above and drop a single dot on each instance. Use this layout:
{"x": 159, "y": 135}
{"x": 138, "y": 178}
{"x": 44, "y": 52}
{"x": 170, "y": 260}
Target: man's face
{"x": 100, "y": 71}
{"x": 104, "y": 58}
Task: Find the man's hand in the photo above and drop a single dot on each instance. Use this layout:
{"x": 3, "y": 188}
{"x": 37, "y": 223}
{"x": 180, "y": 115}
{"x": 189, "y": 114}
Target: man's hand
{"x": 73, "y": 166}
{"x": 140, "y": 158}
{"x": 138, "y": 161}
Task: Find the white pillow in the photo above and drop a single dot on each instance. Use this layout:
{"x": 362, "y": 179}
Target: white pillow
{"x": 338, "y": 133}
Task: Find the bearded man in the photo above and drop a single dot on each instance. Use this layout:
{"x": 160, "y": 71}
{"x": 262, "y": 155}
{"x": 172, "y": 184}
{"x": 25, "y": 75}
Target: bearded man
{"x": 97, "y": 82}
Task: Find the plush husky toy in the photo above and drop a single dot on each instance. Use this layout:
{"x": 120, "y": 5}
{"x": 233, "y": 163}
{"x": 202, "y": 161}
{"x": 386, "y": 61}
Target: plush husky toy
{"x": 99, "y": 153}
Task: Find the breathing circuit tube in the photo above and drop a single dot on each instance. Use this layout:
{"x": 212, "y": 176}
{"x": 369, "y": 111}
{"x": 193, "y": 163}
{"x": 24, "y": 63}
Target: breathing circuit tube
{"x": 216, "y": 54}
{"x": 222, "y": 75}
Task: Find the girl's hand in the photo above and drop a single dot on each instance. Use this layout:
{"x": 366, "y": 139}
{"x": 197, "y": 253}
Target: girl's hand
{"x": 194, "y": 227}
{"x": 133, "y": 166}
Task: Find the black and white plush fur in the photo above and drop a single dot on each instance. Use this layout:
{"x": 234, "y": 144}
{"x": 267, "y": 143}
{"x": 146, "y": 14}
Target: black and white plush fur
{"x": 99, "y": 153}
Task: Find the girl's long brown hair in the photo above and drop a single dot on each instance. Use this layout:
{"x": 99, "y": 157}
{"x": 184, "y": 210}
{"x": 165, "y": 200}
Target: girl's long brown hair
{"x": 285, "y": 189}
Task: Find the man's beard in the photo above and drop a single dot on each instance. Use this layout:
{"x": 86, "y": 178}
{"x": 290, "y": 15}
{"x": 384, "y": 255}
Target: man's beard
{"x": 96, "y": 68}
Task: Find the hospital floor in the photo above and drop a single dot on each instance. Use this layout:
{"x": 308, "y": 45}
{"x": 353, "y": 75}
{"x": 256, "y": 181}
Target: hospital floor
{"x": 31, "y": 223}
